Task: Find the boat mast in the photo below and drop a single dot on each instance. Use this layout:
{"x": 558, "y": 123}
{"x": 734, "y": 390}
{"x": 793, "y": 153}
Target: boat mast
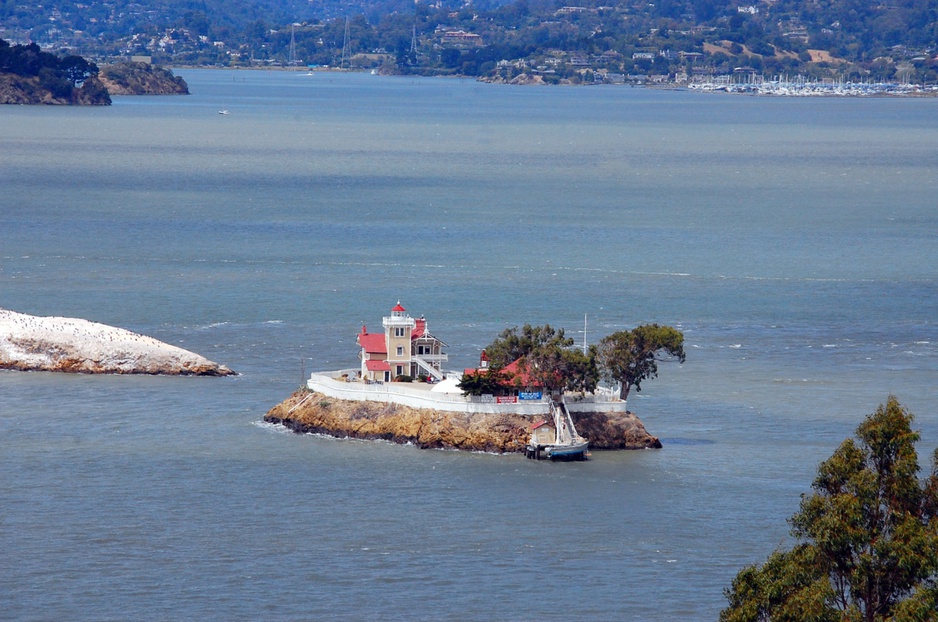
{"x": 345, "y": 46}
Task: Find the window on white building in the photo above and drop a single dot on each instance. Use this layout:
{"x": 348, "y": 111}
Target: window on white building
{"x": 398, "y": 332}
{"x": 400, "y": 350}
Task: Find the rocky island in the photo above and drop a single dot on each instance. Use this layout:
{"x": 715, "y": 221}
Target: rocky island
{"x": 315, "y": 413}
{"x": 400, "y": 393}
{"x": 30, "y": 76}
{"x": 30, "y": 343}
{"x": 32, "y": 90}
{"x": 141, "y": 79}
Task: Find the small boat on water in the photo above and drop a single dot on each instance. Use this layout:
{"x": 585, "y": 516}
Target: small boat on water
{"x": 560, "y": 441}
{"x": 222, "y": 112}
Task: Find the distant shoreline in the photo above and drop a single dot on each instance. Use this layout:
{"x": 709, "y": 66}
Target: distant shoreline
{"x": 888, "y": 90}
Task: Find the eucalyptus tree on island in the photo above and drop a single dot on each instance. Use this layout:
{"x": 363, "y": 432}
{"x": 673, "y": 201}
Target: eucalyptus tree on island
{"x": 536, "y": 356}
{"x": 628, "y": 357}
{"x": 869, "y": 537}
{"x": 561, "y": 368}
{"x": 513, "y": 344}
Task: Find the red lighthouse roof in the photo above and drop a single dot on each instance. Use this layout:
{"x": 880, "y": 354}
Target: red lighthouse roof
{"x": 398, "y": 308}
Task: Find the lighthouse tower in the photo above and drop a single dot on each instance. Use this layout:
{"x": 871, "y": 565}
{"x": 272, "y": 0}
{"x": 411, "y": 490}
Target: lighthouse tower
{"x": 406, "y": 348}
{"x": 398, "y": 330}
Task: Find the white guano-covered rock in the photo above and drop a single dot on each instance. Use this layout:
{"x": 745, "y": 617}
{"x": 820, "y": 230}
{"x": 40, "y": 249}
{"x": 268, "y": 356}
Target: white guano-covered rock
{"x": 30, "y": 343}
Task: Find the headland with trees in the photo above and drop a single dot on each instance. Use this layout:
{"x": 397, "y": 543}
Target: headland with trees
{"x": 30, "y": 76}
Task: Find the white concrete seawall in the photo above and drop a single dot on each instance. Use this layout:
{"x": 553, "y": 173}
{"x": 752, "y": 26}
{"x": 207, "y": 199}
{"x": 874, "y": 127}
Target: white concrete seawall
{"x": 420, "y": 396}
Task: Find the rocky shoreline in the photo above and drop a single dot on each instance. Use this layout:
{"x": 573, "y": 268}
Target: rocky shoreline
{"x": 141, "y": 79}
{"x": 29, "y": 90}
{"x": 307, "y": 412}
{"x": 31, "y": 343}
{"x": 117, "y": 79}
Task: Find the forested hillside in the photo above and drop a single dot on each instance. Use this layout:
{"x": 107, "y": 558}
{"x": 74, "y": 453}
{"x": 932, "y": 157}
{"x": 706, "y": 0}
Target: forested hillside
{"x": 590, "y": 41}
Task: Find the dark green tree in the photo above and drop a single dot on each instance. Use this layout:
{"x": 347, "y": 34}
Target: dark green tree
{"x": 868, "y": 532}
{"x": 482, "y": 382}
{"x": 560, "y": 368}
{"x": 546, "y": 358}
{"x": 450, "y": 57}
{"x": 513, "y": 344}
{"x": 77, "y": 69}
{"x": 196, "y": 21}
{"x": 630, "y": 356}
{"x": 579, "y": 370}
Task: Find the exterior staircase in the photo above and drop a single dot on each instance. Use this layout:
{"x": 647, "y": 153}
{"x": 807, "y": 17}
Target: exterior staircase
{"x": 428, "y": 368}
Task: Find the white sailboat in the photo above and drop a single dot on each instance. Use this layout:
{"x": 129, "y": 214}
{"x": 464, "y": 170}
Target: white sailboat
{"x": 567, "y": 443}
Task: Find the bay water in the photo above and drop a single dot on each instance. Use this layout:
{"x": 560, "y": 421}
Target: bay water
{"x": 794, "y": 241}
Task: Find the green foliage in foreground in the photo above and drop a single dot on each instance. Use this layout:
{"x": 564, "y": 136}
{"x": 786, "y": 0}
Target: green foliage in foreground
{"x": 868, "y": 537}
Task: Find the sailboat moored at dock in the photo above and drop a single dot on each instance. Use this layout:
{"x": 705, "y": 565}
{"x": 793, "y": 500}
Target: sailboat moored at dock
{"x": 560, "y": 442}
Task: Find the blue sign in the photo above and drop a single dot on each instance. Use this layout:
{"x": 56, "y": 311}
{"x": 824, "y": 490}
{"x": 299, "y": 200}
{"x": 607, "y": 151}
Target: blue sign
{"x": 531, "y": 395}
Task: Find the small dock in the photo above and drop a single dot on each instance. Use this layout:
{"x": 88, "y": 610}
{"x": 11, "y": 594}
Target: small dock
{"x": 558, "y": 441}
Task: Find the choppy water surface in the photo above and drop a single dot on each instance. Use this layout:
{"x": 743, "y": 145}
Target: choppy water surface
{"x": 793, "y": 241}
